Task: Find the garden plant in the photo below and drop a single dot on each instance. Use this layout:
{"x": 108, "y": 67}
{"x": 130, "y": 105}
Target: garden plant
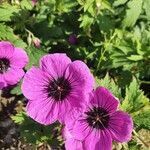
{"x": 75, "y": 74}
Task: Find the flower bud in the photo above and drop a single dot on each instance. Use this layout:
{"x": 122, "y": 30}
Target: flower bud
{"x": 34, "y": 2}
{"x": 37, "y": 42}
{"x": 73, "y": 39}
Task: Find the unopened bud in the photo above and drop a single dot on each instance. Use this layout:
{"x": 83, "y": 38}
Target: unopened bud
{"x": 73, "y": 39}
{"x": 37, "y": 42}
{"x": 34, "y": 2}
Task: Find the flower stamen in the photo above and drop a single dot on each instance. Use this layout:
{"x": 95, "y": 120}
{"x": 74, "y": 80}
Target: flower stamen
{"x": 4, "y": 65}
{"x": 58, "y": 89}
{"x": 98, "y": 118}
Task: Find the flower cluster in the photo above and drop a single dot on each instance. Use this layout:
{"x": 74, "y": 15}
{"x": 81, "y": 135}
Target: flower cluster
{"x": 12, "y": 62}
{"x": 62, "y": 90}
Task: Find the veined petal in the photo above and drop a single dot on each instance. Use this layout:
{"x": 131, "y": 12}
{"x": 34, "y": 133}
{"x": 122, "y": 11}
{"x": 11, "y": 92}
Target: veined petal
{"x": 104, "y": 98}
{"x": 81, "y": 129}
{"x": 43, "y": 111}
{"x": 70, "y": 142}
{"x": 98, "y": 140}
{"x": 19, "y": 58}
{"x": 79, "y": 76}
{"x": 55, "y": 64}
{"x": 121, "y": 126}
{"x": 13, "y": 76}
{"x": 34, "y": 82}
{"x": 6, "y": 49}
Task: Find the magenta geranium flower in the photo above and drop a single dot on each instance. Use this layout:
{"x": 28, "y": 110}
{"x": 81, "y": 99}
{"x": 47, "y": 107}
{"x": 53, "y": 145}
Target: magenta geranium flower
{"x": 55, "y": 88}
{"x": 12, "y": 61}
{"x": 99, "y": 124}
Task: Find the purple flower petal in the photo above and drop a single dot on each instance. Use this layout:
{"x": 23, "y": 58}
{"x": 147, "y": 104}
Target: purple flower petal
{"x": 71, "y": 117}
{"x": 121, "y": 126}
{"x": 55, "y": 64}
{"x": 12, "y": 76}
{"x": 80, "y": 77}
{"x": 70, "y": 142}
{"x": 73, "y": 144}
{"x": 6, "y": 49}
{"x": 104, "y": 98}
{"x": 64, "y": 108}
{"x": 91, "y": 141}
{"x": 81, "y": 130}
{"x": 43, "y": 111}
{"x": 105, "y": 142}
{"x": 34, "y": 83}
{"x": 98, "y": 140}
{"x": 19, "y": 58}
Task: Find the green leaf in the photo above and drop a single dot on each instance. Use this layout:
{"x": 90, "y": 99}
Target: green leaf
{"x": 146, "y": 6}
{"x": 119, "y": 55}
{"x": 65, "y": 5}
{"x": 34, "y": 56}
{"x": 142, "y": 120}
{"x": 6, "y": 33}
{"x": 110, "y": 84}
{"x": 119, "y": 2}
{"x": 135, "y": 57}
{"x": 86, "y": 21}
{"x": 26, "y": 4}
{"x": 35, "y": 133}
{"x": 7, "y": 11}
{"x": 106, "y": 5}
{"x": 87, "y": 4}
{"x": 19, "y": 118}
{"x": 134, "y": 98}
{"x": 16, "y": 90}
{"x": 124, "y": 78}
{"x": 132, "y": 145}
{"x": 132, "y": 13}
{"x": 19, "y": 43}
{"x": 81, "y": 2}
{"x": 105, "y": 23}
{"x": 56, "y": 32}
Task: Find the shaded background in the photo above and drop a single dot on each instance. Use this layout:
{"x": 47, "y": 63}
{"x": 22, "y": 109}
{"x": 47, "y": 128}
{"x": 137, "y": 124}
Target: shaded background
{"x": 111, "y": 36}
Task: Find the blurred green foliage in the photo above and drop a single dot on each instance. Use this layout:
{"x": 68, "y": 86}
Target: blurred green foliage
{"x": 113, "y": 40}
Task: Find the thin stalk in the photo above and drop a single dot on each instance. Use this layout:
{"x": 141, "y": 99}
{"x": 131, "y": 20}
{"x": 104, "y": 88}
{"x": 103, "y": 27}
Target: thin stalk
{"x": 144, "y": 143}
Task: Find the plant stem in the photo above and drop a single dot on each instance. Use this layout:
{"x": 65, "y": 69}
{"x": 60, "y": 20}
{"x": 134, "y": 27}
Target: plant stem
{"x": 144, "y": 143}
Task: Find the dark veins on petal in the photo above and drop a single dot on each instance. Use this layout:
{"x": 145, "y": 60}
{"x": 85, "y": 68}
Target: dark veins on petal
{"x": 98, "y": 118}
{"x": 58, "y": 88}
{"x": 4, "y": 65}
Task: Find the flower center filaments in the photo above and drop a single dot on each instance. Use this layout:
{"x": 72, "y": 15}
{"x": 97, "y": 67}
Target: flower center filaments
{"x": 59, "y": 89}
{"x": 4, "y": 65}
{"x": 98, "y": 118}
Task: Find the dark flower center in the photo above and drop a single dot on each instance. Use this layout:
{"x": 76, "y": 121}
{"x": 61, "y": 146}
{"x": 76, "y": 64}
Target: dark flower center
{"x": 4, "y": 65}
{"x": 59, "y": 88}
{"x": 98, "y": 118}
